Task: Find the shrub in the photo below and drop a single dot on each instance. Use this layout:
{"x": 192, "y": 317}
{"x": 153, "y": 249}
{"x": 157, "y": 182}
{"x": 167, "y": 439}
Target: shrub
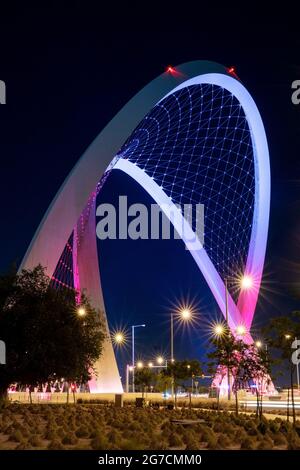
{"x": 218, "y": 427}
{"x": 192, "y": 443}
{"x": 224, "y": 441}
{"x": 16, "y": 436}
{"x": 175, "y": 440}
{"x": 35, "y": 441}
{"x": 279, "y": 439}
{"x": 157, "y": 443}
{"x": 23, "y": 446}
{"x": 248, "y": 443}
{"x": 212, "y": 442}
{"x": 293, "y": 441}
{"x": 82, "y": 431}
{"x": 131, "y": 444}
{"x": 55, "y": 444}
{"x": 274, "y": 426}
{"x": 70, "y": 439}
{"x": 99, "y": 442}
{"x": 263, "y": 427}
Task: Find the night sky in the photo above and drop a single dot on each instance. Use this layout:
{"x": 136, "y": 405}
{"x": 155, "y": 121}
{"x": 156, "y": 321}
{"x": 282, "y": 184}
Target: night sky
{"x": 68, "y": 71}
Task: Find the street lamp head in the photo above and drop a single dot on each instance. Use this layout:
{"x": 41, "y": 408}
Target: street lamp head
{"x": 287, "y": 336}
{"x": 246, "y": 282}
{"x": 160, "y": 360}
{"x": 140, "y": 365}
{"x": 241, "y": 330}
{"x": 81, "y": 311}
{"x": 119, "y": 338}
{"x": 130, "y": 368}
{"x": 150, "y": 364}
{"x": 258, "y": 344}
{"x": 186, "y": 314}
{"x": 219, "y": 329}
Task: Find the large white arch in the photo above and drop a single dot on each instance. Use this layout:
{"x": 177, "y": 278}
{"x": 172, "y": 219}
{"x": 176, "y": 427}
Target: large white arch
{"x": 64, "y": 212}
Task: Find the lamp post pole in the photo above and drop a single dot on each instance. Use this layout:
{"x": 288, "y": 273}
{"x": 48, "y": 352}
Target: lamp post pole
{"x": 132, "y": 330}
{"x": 172, "y": 352}
{"x": 127, "y": 378}
{"x": 133, "y": 352}
{"x": 297, "y": 369}
{"x": 227, "y": 326}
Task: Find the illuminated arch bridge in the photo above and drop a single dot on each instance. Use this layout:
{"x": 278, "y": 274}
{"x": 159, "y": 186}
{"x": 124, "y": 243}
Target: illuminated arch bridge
{"x": 192, "y": 135}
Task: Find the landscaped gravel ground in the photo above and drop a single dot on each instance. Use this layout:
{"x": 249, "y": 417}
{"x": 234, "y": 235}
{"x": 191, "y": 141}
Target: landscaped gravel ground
{"x": 105, "y": 427}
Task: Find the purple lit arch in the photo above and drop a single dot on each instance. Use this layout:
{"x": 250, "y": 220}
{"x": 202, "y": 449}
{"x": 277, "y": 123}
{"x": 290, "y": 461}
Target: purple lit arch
{"x": 67, "y": 235}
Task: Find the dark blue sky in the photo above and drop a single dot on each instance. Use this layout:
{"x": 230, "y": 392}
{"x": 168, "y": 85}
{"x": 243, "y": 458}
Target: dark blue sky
{"x": 68, "y": 71}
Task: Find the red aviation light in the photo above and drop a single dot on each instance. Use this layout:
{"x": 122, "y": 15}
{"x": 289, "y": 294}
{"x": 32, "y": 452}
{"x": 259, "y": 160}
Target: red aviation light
{"x": 170, "y": 69}
{"x": 232, "y": 71}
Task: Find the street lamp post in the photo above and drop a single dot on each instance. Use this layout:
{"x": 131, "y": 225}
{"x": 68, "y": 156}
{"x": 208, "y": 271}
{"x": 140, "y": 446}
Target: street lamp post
{"x": 185, "y": 315}
{"x": 246, "y": 283}
{"x": 297, "y": 370}
{"x": 227, "y": 326}
{"x": 128, "y": 370}
{"x": 133, "y": 352}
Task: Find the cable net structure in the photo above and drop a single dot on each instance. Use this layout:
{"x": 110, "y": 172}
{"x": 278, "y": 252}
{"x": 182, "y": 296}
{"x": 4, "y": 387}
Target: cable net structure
{"x": 196, "y": 144}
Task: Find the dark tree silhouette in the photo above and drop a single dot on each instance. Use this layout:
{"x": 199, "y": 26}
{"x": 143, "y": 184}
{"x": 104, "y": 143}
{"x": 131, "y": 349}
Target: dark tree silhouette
{"x": 45, "y": 338}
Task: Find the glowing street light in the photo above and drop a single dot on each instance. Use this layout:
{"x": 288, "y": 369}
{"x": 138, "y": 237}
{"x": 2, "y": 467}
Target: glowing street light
{"x": 258, "y": 344}
{"x": 160, "y": 360}
{"x": 81, "y": 311}
{"x": 186, "y": 314}
{"x": 139, "y": 365}
{"x": 219, "y": 329}
{"x": 287, "y": 336}
{"x": 241, "y": 330}
{"x": 119, "y": 338}
{"x": 246, "y": 282}
{"x": 150, "y": 364}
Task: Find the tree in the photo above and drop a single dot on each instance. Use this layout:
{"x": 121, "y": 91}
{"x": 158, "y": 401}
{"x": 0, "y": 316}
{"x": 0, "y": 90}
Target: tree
{"x": 143, "y": 378}
{"x": 45, "y": 338}
{"x": 180, "y": 371}
{"x": 281, "y": 333}
{"x": 226, "y": 355}
{"x": 163, "y": 382}
{"x": 253, "y": 366}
